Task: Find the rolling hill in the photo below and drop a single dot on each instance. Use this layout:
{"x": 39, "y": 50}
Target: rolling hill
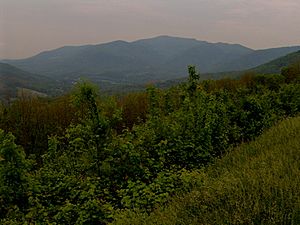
{"x": 276, "y": 65}
{"x": 257, "y": 58}
{"x": 13, "y": 80}
{"x": 272, "y": 67}
{"x": 147, "y": 60}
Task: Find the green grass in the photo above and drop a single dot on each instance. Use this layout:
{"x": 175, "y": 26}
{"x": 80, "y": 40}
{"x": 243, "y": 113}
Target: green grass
{"x": 256, "y": 183}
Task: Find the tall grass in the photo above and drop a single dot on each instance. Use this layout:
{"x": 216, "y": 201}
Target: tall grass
{"x": 256, "y": 183}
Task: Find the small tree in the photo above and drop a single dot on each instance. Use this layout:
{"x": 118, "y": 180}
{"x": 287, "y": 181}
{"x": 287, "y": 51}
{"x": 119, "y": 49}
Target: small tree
{"x": 292, "y": 72}
{"x": 85, "y": 96}
{"x": 193, "y": 79}
{"x": 13, "y": 175}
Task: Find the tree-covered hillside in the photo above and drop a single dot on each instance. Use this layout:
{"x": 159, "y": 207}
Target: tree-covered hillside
{"x": 257, "y": 58}
{"x": 13, "y": 79}
{"x": 82, "y": 157}
{"x": 275, "y": 66}
{"x": 148, "y": 60}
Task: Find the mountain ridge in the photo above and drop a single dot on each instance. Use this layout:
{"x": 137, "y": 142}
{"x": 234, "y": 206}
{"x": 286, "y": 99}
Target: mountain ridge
{"x": 144, "y": 53}
{"x": 145, "y": 60}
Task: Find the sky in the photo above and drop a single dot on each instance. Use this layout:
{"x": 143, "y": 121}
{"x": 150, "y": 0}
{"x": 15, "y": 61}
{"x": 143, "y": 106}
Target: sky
{"x": 28, "y": 27}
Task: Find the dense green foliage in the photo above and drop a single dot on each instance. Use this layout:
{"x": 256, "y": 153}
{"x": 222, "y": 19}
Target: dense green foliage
{"x": 256, "y": 183}
{"x": 88, "y": 156}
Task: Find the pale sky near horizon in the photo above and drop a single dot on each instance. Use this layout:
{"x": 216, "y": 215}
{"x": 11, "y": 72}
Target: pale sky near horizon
{"x": 28, "y": 27}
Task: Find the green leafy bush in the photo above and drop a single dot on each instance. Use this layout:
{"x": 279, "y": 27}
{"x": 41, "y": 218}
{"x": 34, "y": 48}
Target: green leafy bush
{"x": 97, "y": 163}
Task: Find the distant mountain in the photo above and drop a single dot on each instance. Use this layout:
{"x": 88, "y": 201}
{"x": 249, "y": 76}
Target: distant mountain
{"x": 148, "y": 60}
{"x": 276, "y": 65}
{"x": 12, "y": 80}
{"x": 140, "y": 61}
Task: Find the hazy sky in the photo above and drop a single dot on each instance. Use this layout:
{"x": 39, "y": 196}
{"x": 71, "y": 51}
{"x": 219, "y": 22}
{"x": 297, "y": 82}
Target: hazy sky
{"x": 31, "y": 26}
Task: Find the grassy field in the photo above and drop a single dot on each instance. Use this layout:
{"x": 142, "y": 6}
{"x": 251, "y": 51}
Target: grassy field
{"x": 256, "y": 183}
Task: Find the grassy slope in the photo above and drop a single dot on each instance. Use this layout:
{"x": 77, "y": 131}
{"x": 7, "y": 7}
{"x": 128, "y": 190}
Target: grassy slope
{"x": 256, "y": 183}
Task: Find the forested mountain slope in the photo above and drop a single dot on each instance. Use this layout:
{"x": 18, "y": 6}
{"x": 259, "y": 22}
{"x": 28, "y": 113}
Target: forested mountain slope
{"x": 275, "y": 66}
{"x": 13, "y": 79}
{"x": 257, "y": 58}
{"x": 147, "y": 60}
